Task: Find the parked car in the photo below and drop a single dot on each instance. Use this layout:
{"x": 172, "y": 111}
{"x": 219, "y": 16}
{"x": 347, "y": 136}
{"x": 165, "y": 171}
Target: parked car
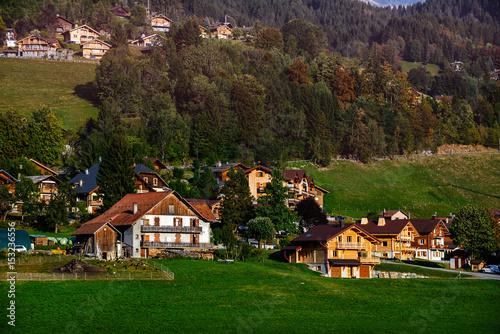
{"x": 492, "y": 269}
{"x": 20, "y": 248}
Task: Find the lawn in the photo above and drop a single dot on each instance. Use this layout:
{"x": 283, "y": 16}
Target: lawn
{"x": 401, "y": 268}
{"x": 420, "y": 186}
{"x": 406, "y": 66}
{"x": 65, "y": 87}
{"x": 256, "y": 297}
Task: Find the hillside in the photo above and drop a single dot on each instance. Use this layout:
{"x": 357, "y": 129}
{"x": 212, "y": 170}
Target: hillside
{"x": 66, "y": 87}
{"x": 420, "y": 186}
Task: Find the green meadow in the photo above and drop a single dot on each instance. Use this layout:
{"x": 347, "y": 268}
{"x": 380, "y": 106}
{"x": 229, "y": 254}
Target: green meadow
{"x": 256, "y": 297}
{"x": 420, "y": 186}
{"x": 407, "y": 66}
{"x": 65, "y": 87}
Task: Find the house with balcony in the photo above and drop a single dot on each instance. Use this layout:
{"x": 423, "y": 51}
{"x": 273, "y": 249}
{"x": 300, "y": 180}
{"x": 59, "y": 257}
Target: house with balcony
{"x": 47, "y": 185}
{"x": 258, "y": 177}
{"x": 221, "y": 31}
{"x": 161, "y": 23}
{"x": 151, "y": 222}
{"x": 95, "y": 49}
{"x": 35, "y": 46}
{"x": 80, "y": 35}
{"x": 430, "y": 245}
{"x": 396, "y": 237}
{"x": 149, "y": 180}
{"x": 335, "y": 250}
{"x": 63, "y": 25}
{"x": 301, "y": 186}
{"x": 148, "y": 41}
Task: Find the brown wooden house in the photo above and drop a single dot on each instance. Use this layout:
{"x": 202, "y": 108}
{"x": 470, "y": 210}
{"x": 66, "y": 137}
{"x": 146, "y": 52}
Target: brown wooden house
{"x": 35, "y": 46}
{"x": 47, "y": 185}
{"x": 161, "y": 23}
{"x": 95, "y": 49}
{"x": 80, "y": 35}
{"x": 101, "y": 239}
{"x": 63, "y": 24}
{"x": 221, "y": 31}
{"x": 120, "y": 12}
{"x": 430, "y": 244}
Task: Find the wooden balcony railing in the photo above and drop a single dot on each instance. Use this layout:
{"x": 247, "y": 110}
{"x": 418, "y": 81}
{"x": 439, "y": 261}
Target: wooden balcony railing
{"x": 171, "y": 229}
{"x": 404, "y": 238}
{"x": 372, "y": 260}
{"x": 351, "y": 245}
{"x": 156, "y": 244}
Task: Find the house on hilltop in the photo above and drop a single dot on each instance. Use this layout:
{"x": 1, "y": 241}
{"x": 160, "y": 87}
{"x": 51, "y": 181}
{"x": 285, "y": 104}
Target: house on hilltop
{"x": 63, "y": 25}
{"x": 161, "y": 23}
{"x": 80, "y": 35}
{"x": 35, "y": 46}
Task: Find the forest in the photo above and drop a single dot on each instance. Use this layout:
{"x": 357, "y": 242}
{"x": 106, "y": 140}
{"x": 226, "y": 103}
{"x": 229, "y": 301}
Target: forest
{"x": 312, "y": 80}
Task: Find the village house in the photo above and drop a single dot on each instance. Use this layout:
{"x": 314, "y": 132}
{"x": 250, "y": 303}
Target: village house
{"x": 148, "y": 41}
{"x": 80, "y": 35}
{"x": 396, "y": 237}
{"x": 47, "y": 185}
{"x": 335, "y": 250}
{"x": 95, "y": 49}
{"x": 151, "y": 222}
{"x": 161, "y": 23}
{"x": 63, "y": 25}
{"x": 8, "y": 181}
{"x": 101, "y": 239}
{"x": 221, "y": 170}
{"x": 10, "y": 37}
{"x": 44, "y": 169}
{"x": 258, "y": 177}
{"x": 35, "y": 46}
{"x": 393, "y": 214}
{"x": 149, "y": 180}
{"x": 430, "y": 245}
{"x": 301, "y": 186}
{"x": 221, "y": 31}
{"x": 159, "y": 165}
{"x": 204, "y": 32}
{"x": 120, "y": 12}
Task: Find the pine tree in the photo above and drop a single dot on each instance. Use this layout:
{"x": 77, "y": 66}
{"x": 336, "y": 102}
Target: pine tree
{"x": 237, "y": 205}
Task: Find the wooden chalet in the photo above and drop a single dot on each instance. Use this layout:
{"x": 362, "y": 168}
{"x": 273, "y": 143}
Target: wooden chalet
{"x": 35, "y": 46}
{"x": 221, "y": 31}
{"x": 47, "y": 185}
{"x": 301, "y": 186}
{"x": 258, "y": 178}
{"x": 152, "y": 222}
{"x": 10, "y": 37}
{"x": 95, "y": 49}
{"x": 80, "y": 35}
{"x": 396, "y": 236}
{"x": 430, "y": 244}
{"x": 161, "y": 23}
{"x": 148, "y": 180}
{"x": 101, "y": 239}
{"x": 8, "y": 181}
{"x": 120, "y": 12}
{"x": 335, "y": 250}
{"x": 44, "y": 169}
{"x": 63, "y": 25}
{"x": 159, "y": 165}
{"x": 393, "y": 214}
{"x": 221, "y": 170}
{"x": 148, "y": 41}
{"x": 204, "y": 33}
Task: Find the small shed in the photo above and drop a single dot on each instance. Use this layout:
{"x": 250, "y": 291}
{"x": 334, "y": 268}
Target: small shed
{"x": 477, "y": 265}
{"x": 99, "y": 239}
{"x": 21, "y": 238}
{"x": 39, "y": 240}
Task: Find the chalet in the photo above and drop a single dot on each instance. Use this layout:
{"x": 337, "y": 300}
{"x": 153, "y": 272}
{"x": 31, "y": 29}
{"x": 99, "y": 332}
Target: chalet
{"x": 458, "y": 258}
{"x": 258, "y": 177}
{"x": 335, "y": 250}
{"x": 8, "y": 181}
{"x": 101, "y": 239}
{"x": 213, "y": 206}
{"x": 44, "y": 169}
{"x": 430, "y": 244}
{"x": 204, "y": 32}
{"x": 120, "y": 12}
{"x": 494, "y": 75}
{"x": 151, "y": 222}
{"x": 221, "y": 31}
{"x": 302, "y": 186}
{"x": 80, "y": 35}
{"x": 393, "y": 214}
{"x": 151, "y": 180}
{"x": 415, "y": 96}
{"x": 477, "y": 264}
{"x": 396, "y": 236}
{"x": 221, "y": 170}
{"x": 63, "y": 25}
{"x": 10, "y": 37}
{"x": 95, "y": 49}
{"x": 147, "y": 41}
{"x": 159, "y": 165}
{"x": 161, "y": 23}
{"x": 10, "y": 53}
{"x": 47, "y": 185}
{"x": 35, "y": 46}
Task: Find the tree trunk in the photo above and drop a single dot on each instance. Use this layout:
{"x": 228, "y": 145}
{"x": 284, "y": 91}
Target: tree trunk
{"x": 55, "y": 229}
{"x": 260, "y": 243}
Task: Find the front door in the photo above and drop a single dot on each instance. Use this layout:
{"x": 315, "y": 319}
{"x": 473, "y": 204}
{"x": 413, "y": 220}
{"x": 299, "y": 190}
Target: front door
{"x": 177, "y": 237}
{"x": 157, "y": 237}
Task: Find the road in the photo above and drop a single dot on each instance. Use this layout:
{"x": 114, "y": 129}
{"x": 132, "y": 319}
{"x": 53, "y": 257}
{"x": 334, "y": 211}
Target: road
{"x": 476, "y": 275}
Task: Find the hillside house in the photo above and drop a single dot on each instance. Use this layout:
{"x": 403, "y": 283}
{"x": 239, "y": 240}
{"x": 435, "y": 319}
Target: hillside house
{"x": 47, "y": 185}
{"x": 44, "y": 169}
{"x": 148, "y": 41}
{"x": 8, "y": 181}
{"x": 120, "y": 12}
{"x": 258, "y": 177}
{"x": 430, "y": 245}
{"x": 63, "y": 25}
{"x": 10, "y": 37}
{"x": 95, "y": 49}
{"x": 204, "y": 33}
{"x": 396, "y": 236}
{"x": 35, "y": 46}
{"x": 159, "y": 165}
{"x": 335, "y": 250}
{"x": 301, "y": 186}
{"x": 80, "y": 35}
{"x": 221, "y": 170}
{"x": 161, "y": 23}
{"x": 393, "y": 214}
{"x": 149, "y": 180}
{"x": 152, "y": 222}
{"x": 221, "y": 31}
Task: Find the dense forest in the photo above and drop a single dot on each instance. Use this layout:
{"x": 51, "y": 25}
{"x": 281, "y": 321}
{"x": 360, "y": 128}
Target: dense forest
{"x": 314, "y": 79}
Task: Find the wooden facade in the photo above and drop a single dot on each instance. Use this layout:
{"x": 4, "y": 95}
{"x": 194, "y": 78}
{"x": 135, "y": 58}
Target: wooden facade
{"x": 120, "y": 12}
{"x": 80, "y": 35}
{"x": 95, "y": 49}
{"x": 63, "y": 25}
{"x": 430, "y": 244}
{"x": 161, "y": 23}
{"x": 47, "y": 185}
{"x": 221, "y": 31}
{"x": 147, "y": 41}
{"x": 101, "y": 240}
{"x": 258, "y": 178}
{"x": 35, "y": 46}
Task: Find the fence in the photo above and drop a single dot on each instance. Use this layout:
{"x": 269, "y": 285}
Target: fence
{"x": 87, "y": 276}
{"x": 63, "y": 60}
{"x": 161, "y": 267}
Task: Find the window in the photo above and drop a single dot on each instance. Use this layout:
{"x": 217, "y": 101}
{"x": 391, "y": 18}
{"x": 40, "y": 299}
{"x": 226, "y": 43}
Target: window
{"x": 340, "y": 238}
{"x": 384, "y": 243}
{"x": 155, "y": 181}
{"x": 157, "y": 221}
{"x": 334, "y": 253}
{"x": 258, "y": 185}
{"x": 145, "y": 222}
{"x": 358, "y": 239}
{"x": 422, "y": 242}
{"x": 145, "y": 180}
{"x": 349, "y": 238}
{"x": 260, "y": 174}
{"x": 170, "y": 208}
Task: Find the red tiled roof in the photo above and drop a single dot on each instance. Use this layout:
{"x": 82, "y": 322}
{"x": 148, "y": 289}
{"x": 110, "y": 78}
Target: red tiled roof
{"x": 204, "y": 211}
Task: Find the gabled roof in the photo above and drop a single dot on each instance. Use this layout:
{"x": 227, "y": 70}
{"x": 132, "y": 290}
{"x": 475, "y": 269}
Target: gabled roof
{"x": 53, "y": 172}
{"x": 142, "y": 168}
{"x": 423, "y": 226}
{"x": 292, "y": 174}
{"x": 325, "y": 232}
{"x": 161, "y": 16}
{"x": 146, "y": 37}
{"x": 85, "y": 26}
{"x": 98, "y": 41}
{"x": 6, "y": 177}
{"x": 159, "y": 163}
{"x": 39, "y": 178}
{"x": 202, "y": 207}
{"x": 62, "y": 18}
{"x": 92, "y": 228}
{"x": 323, "y": 190}
{"x": 227, "y": 166}
{"x": 265, "y": 169}
{"x": 391, "y": 227}
{"x": 89, "y": 180}
{"x": 47, "y": 40}
{"x": 390, "y": 213}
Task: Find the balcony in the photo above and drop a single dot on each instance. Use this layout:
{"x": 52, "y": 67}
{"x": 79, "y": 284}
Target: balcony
{"x": 292, "y": 189}
{"x": 351, "y": 245}
{"x": 293, "y": 201}
{"x": 155, "y": 244}
{"x": 404, "y": 238}
{"x": 171, "y": 229}
{"x": 370, "y": 260}
{"x": 261, "y": 190}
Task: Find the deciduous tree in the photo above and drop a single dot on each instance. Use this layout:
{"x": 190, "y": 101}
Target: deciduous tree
{"x": 260, "y": 228}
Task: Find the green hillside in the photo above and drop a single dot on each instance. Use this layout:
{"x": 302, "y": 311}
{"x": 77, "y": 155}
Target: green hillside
{"x": 420, "y": 186}
{"x": 66, "y": 87}
{"x": 407, "y": 66}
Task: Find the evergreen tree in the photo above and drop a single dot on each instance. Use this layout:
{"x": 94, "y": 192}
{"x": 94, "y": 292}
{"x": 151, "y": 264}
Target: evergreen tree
{"x": 57, "y": 212}
{"x": 236, "y": 208}
{"x": 116, "y": 176}
{"x": 45, "y": 136}
{"x": 311, "y": 214}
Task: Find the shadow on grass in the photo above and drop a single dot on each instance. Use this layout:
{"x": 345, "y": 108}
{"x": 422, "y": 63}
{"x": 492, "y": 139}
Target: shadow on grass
{"x": 474, "y": 191}
{"x": 277, "y": 256}
{"x": 87, "y": 92}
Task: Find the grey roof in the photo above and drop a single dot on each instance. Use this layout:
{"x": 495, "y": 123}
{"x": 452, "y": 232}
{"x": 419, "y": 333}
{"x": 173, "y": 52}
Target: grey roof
{"x": 141, "y": 168}
{"x": 3, "y": 171}
{"x": 39, "y": 178}
{"x": 224, "y": 167}
{"x": 89, "y": 180}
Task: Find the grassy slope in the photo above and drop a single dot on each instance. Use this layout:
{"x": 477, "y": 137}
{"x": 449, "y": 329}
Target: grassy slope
{"x": 407, "y": 66}
{"x": 210, "y": 297}
{"x": 420, "y": 185}
{"x": 66, "y": 87}
{"x": 401, "y": 268}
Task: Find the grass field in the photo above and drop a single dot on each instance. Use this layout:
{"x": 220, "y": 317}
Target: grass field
{"x": 406, "y": 66}
{"x": 401, "y": 268}
{"x": 256, "y": 297}
{"x": 65, "y": 87}
{"x": 420, "y": 186}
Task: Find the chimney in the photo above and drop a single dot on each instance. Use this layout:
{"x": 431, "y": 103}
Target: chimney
{"x": 341, "y": 223}
{"x": 434, "y": 216}
{"x": 219, "y": 164}
{"x": 81, "y": 183}
{"x": 87, "y": 172}
{"x": 383, "y": 213}
{"x": 135, "y": 208}
{"x": 364, "y": 220}
{"x": 381, "y": 221}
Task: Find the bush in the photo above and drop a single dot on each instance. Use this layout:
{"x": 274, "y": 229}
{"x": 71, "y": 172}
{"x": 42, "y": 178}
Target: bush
{"x": 285, "y": 242}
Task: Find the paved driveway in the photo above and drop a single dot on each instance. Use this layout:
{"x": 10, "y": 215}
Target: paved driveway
{"x": 476, "y": 275}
